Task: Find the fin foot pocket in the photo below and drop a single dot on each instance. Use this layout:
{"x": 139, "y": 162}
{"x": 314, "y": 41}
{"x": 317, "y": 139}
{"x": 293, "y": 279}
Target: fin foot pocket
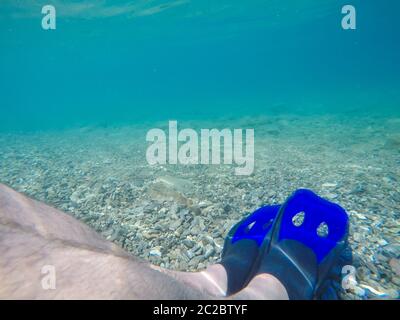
{"x": 243, "y": 244}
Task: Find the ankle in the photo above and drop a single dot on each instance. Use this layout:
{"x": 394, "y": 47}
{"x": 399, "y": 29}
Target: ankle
{"x": 217, "y": 279}
{"x": 212, "y": 281}
{"x": 266, "y": 286}
{"x": 263, "y": 287}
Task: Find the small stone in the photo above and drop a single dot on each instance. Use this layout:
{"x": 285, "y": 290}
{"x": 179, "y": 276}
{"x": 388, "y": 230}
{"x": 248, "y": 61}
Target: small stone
{"x": 195, "y": 209}
{"x": 366, "y": 229}
{"x": 74, "y": 197}
{"x": 386, "y": 179}
{"x": 183, "y": 213}
{"x": 149, "y": 208}
{"x": 190, "y": 254}
{"x": 195, "y": 231}
{"x": 209, "y": 252}
{"x": 396, "y": 281}
{"x": 197, "y": 225}
{"x": 195, "y": 261}
{"x": 396, "y": 197}
{"x": 382, "y": 242}
{"x": 149, "y": 236}
{"x": 188, "y": 243}
{"x": 201, "y": 265}
{"x": 115, "y": 234}
{"x": 357, "y": 237}
{"x": 207, "y": 239}
{"x": 393, "y": 293}
{"x": 358, "y": 189}
{"x": 186, "y": 232}
{"x": 395, "y": 265}
{"x": 392, "y": 250}
{"x": 360, "y": 216}
{"x": 381, "y": 258}
{"x": 198, "y": 249}
{"x": 227, "y": 208}
{"x": 174, "y": 208}
{"x": 183, "y": 265}
{"x": 204, "y": 204}
{"x": 155, "y": 252}
{"x": 329, "y": 185}
{"x": 331, "y": 196}
{"x": 371, "y": 267}
{"x": 175, "y": 225}
{"x": 216, "y": 233}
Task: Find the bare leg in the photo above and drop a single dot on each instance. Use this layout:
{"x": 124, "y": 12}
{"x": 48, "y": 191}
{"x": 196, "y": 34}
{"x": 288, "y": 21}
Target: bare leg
{"x": 34, "y": 236}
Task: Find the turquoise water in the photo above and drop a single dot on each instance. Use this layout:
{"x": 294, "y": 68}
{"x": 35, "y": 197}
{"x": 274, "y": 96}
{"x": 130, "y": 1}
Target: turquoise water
{"x": 113, "y": 62}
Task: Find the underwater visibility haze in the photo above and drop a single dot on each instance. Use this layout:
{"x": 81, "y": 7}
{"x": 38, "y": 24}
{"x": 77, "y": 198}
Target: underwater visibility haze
{"x": 119, "y": 61}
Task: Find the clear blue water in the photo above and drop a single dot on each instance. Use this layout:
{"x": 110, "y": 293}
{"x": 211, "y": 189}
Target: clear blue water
{"x": 113, "y": 62}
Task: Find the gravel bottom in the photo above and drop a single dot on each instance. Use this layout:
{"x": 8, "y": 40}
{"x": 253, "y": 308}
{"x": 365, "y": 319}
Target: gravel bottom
{"x": 177, "y": 216}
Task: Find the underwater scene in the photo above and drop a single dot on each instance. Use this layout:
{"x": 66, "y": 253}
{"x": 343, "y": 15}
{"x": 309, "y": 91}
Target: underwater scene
{"x": 162, "y": 124}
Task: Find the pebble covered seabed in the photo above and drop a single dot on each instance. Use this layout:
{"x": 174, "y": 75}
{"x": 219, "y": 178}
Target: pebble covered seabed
{"x": 177, "y": 216}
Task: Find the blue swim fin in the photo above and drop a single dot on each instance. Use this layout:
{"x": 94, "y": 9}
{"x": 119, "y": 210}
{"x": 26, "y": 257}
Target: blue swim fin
{"x": 305, "y": 261}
